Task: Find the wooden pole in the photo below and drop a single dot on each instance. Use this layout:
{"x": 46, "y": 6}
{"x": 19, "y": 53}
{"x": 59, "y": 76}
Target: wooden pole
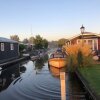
{"x": 63, "y": 85}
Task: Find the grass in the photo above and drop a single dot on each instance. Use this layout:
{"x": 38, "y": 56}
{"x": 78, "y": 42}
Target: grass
{"x": 92, "y": 75}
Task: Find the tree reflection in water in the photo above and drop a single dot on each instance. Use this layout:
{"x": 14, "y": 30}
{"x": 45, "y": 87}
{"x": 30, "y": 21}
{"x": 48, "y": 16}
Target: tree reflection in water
{"x": 39, "y": 63}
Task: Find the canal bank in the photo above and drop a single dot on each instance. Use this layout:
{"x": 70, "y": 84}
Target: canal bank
{"x": 11, "y": 62}
{"x": 85, "y": 80}
{"x": 24, "y": 57}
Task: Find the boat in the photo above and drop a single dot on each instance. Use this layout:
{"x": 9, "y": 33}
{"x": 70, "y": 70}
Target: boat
{"x": 35, "y": 57}
{"x": 56, "y": 71}
{"x": 58, "y": 59}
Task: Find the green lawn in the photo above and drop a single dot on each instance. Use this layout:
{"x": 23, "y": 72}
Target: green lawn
{"x": 92, "y": 75}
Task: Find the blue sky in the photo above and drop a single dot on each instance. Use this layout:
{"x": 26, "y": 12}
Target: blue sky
{"x": 52, "y": 19}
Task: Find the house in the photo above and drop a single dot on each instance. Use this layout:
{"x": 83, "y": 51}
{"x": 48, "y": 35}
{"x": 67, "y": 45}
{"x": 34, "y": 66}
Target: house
{"x": 9, "y": 49}
{"x": 89, "y": 38}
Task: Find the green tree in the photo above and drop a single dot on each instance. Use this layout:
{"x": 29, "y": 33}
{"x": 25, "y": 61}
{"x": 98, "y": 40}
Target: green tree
{"x": 45, "y": 43}
{"x": 62, "y": 41}
{"x": 25, "y": 40}
{"x": 38, "y": 42}
{"x": 14, "y": 37}
{"x": 31, "y": 40}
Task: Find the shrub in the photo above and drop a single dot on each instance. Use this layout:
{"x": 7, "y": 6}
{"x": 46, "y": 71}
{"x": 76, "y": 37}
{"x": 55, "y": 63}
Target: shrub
{"x": 79, "y": 56}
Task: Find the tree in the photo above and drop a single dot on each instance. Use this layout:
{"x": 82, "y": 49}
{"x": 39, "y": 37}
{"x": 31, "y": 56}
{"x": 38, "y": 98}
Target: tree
{"x": 14, "y": 37}
{"x": 53, "y": 44}
{"x": 31, "y": 40}
{"x": 62, "y": 41}
{"x": 25, "y": 40}
{"x": 21, "y": 47}
{"x": 38, "y": 42}
{"x": 45, "y": 43}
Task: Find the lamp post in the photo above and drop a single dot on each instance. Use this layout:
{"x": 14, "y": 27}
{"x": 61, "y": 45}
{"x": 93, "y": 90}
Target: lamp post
{"x": 82, "y": 28}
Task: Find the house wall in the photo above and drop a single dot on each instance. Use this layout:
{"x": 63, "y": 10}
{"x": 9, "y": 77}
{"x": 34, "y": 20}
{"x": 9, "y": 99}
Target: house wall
{"x": 93, "y": 44}
{"x": 8, "y": 54}
{"x": 99, "y": 44}
{"x": 74, "y": 41}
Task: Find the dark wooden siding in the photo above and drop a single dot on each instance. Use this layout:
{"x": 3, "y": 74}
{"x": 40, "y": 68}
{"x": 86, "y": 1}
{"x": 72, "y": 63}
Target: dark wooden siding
{"x": 8, "y": 54}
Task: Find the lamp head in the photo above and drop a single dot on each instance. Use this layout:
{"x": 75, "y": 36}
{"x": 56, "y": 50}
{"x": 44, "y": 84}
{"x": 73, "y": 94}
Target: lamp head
{"x": 82, "y": 28}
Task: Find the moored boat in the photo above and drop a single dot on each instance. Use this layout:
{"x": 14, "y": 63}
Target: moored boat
{"x": 35, "y": 57}
{"x": 56, "y": 71}
{"x": 58, "y": 59}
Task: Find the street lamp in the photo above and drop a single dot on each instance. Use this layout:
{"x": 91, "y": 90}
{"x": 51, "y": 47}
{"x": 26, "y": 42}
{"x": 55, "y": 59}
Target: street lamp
{"x": 82, "y": 28}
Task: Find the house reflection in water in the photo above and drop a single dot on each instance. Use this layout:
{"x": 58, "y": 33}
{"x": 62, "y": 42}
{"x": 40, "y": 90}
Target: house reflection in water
{"x": 9, "y": 74}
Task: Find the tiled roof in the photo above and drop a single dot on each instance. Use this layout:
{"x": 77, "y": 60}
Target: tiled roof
{"x": 2, "y": 39}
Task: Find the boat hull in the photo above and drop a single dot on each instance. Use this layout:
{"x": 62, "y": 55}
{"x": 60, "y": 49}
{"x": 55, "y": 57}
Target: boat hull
{"x": 58, "y": 62}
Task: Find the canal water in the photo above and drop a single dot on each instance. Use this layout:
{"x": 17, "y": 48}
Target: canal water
{"x": 35, "y": 80}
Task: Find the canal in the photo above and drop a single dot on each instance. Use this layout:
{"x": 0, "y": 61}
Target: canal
{"x": 34, "y": 80}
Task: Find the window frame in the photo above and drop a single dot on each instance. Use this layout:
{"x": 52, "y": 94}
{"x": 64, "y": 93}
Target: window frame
{"x": 11, "y": 46}
{"x": 2, "y": 45}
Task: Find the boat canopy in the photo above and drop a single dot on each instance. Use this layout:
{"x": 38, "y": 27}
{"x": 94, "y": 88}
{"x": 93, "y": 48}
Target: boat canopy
{"x": 58, "y": 55}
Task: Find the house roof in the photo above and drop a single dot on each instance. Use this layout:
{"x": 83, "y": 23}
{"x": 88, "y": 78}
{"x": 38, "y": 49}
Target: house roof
{"x": 2, "y": 39}
{"x": 85, "y": 34}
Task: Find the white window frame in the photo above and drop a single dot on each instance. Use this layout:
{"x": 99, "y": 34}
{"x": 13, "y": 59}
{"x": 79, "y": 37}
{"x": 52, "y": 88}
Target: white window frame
{"x": 2, "y": 46}
{"x": 11, "y": 46}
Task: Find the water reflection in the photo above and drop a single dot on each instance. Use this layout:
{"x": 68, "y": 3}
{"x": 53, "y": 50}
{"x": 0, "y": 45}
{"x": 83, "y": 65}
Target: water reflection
{"x": 45, "y": 58}
{"x": 8, "y": 75}
{"x": 39, "y": 63}
{"x": 56, "y": 71}
{"x": 22, "y": 69}
{"x": 25, "y": 84}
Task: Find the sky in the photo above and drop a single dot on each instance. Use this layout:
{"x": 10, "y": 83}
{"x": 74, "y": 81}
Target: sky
{"x": 51, "y": 19}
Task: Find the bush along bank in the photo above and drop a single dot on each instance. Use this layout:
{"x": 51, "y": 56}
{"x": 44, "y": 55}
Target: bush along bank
{"x": 80, "y": 61}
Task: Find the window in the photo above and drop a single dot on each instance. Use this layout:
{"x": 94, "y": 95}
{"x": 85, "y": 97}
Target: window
{"x": 12, "y": 46}
{"x": 78, "y": 41}
{"x": 84, "y": 41}
{"x": 2, "y": 46}
{"x": 95, "y": 45}
{"x": 90, "y": 42}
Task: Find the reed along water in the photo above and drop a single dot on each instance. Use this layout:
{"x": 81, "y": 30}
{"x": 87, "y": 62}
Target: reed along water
{"x": 34, "y": 80}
